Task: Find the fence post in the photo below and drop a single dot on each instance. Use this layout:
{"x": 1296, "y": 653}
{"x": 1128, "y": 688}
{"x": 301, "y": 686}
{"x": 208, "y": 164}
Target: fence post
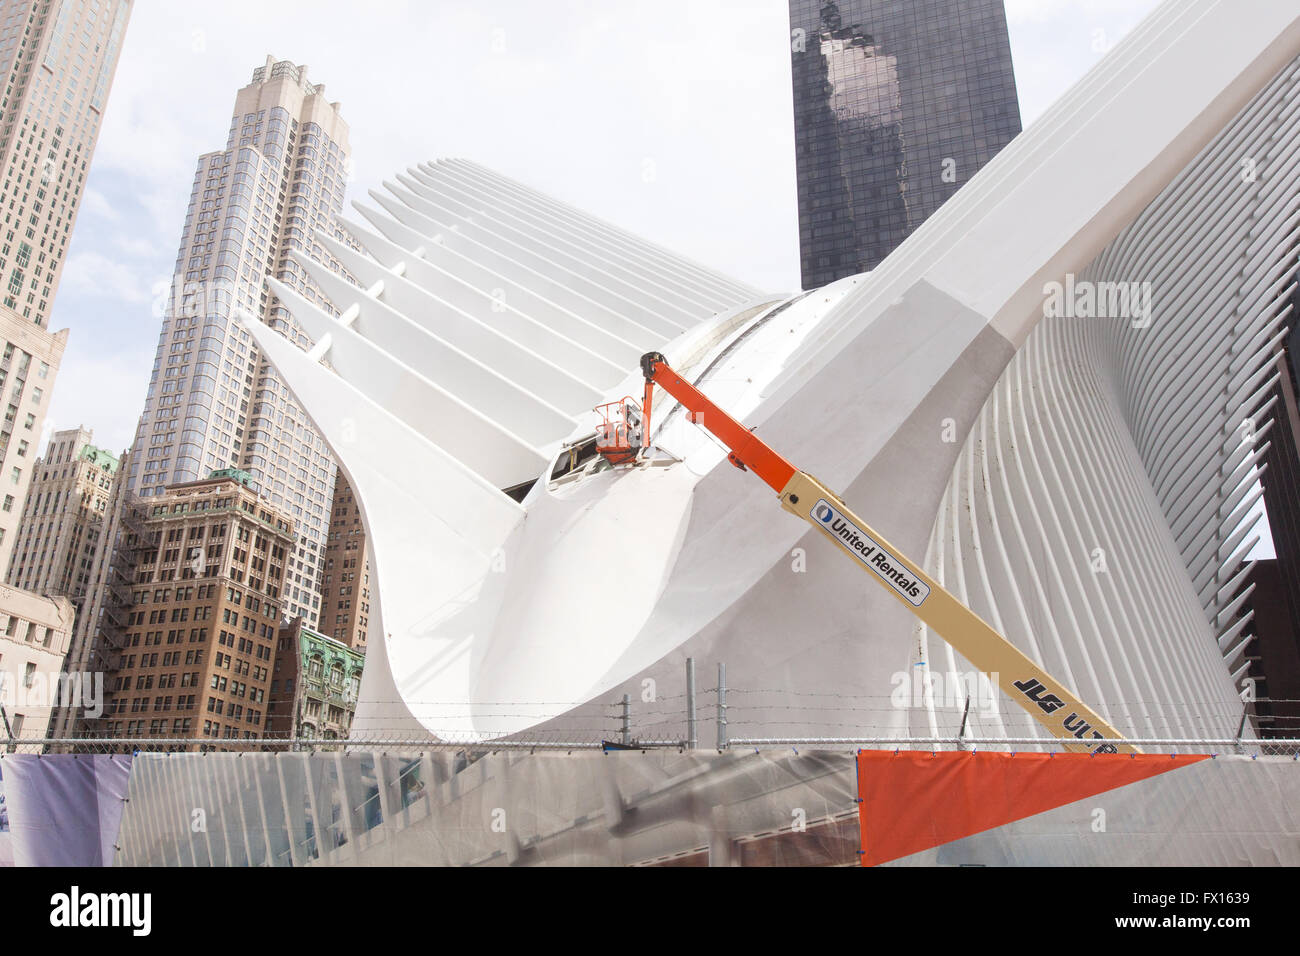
{"x": 627, "y": 719}
{"x": 1241, "y": 727}
{"x": 10, "y": 746}
{"x": 692, "y": 735}
{"x": 722, "y": 706}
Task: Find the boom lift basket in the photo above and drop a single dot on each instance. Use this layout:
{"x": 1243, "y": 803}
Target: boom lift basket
{"x": 618, "y": 436}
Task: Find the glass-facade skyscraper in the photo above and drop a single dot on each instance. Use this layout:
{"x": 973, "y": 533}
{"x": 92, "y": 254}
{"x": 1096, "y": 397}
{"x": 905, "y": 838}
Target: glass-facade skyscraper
{"x": 895, "y": 106}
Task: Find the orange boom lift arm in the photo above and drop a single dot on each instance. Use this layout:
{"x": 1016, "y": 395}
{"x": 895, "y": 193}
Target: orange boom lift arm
{"x": 1042, "y": 696}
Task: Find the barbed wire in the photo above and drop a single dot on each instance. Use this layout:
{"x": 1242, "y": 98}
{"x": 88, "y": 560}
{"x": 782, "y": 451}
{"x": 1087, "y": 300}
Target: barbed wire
{"x": 800, "y": 717}
{"x": 903, "y": 689}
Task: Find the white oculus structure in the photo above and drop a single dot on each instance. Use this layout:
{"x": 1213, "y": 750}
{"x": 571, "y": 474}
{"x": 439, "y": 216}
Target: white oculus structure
{"x": 490, "y": 320}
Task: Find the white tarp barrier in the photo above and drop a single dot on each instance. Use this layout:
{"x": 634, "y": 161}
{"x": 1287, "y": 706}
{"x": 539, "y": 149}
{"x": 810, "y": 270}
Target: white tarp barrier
{"x": 584, "y": 808}
{"x": 6, "y": 844}
{"x": 64, "y": 810}
{"x": 742, "y": 807}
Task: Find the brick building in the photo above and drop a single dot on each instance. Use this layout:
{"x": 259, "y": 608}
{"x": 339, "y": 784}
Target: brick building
{"x": 345, "y": 587}
{"x": 206, "y": 606}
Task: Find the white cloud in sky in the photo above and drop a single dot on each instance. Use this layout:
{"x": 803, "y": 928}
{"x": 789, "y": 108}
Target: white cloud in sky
{"x": 94, "y": 203}
{"x": 118, "y": 380}
{"x": 96, "y": 274}
{"x": 1055, "y": 42}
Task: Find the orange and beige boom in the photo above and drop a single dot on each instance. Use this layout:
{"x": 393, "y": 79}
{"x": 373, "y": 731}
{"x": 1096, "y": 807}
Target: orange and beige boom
{"x": 1043, "y": 697}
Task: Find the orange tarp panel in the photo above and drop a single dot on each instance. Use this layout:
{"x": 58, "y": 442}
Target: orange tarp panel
{"x": 913, "y": 800}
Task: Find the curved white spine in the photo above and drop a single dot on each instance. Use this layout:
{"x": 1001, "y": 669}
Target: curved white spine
{"x": 1132, "y": 438}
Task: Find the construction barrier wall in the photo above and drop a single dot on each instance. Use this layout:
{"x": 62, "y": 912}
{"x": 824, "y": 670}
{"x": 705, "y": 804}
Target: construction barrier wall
{"x": 656, "y": 807}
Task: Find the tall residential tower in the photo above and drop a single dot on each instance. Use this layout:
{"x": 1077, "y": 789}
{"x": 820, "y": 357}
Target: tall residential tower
{"x": 895, "y": 106}
{"x": 213, "y": 403}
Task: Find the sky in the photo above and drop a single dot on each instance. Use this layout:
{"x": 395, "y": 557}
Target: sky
{"x": 670, "y": 118}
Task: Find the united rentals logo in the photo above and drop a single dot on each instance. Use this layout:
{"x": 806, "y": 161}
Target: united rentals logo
{"x": 859, "y": 544}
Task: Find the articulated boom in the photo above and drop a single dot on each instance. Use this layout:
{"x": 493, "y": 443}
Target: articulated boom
{"x": 1046, "y": 699}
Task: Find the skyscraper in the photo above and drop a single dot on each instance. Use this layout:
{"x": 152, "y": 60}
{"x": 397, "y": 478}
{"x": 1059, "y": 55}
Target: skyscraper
{"x": 213, "y": 403}
{"x": 63, "y": 516}
{"x": 895, "y": 106}
{"x": 103, "y": 616}
{"x": 57, "y": 58}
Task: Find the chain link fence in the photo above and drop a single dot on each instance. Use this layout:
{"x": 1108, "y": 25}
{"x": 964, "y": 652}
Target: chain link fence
{"x": 623, "y": 727}
{"x": 959, "y": 714}
{"x": 1264, "y": 747}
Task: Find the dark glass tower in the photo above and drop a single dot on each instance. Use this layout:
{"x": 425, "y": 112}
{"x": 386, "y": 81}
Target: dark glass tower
{"x": 896, "y": 104}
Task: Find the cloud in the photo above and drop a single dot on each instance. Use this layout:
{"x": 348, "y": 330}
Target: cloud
{"x": 94, "y": 273}
{"x": 1054, "y": 43}
{"x": 1048, "y": 11}
{"x": 136, "y": 247}
{"x": 102, "y": 390}
{"x": 96, "y": 203}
